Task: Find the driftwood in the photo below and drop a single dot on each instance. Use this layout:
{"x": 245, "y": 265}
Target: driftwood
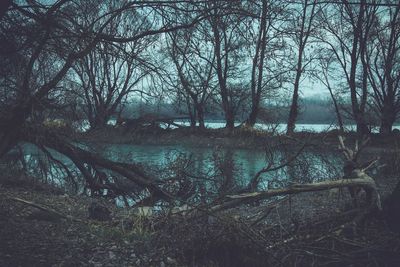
{"x": 362, "y": 180}
{"x": 51, "y": 212}
{"x": 353, "y": 167}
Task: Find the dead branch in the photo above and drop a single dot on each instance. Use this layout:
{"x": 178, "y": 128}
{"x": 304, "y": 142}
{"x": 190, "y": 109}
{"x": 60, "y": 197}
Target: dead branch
{"x": 269, "y": 168}
{"x": 353, "y": 167}
{"x": 352, "y": 154}
{"x": 362, "y": 180}
{"x": 40, "y": 207}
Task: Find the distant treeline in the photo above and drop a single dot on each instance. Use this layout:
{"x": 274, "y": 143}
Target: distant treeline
{"x": 313, "y": 111}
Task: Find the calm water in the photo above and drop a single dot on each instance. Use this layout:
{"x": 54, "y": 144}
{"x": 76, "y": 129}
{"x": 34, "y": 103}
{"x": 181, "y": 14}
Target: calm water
{"x": 202, "y": 163}
{"x": 243, "y": 163}
{"x": 207, "y": 167}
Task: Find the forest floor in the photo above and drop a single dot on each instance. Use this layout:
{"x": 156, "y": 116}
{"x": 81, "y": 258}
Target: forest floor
{"x": 309, "y": 229}
{"x": 29, "y": 237}
{"x": 303, "y": 230}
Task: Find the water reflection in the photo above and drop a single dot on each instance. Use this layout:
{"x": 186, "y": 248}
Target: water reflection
{"x": 236, "y": 166}
{"x": 198, "y": 173}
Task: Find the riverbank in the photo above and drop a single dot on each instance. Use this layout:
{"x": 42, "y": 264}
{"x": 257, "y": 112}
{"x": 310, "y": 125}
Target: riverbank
{"x": 303, "y": 229}
{"x": 246, "y": 138}
{"x": 30, "y": 237}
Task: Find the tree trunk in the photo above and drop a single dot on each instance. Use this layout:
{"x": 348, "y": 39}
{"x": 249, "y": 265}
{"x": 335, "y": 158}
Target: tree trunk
{"x": 358, "y": 109}
{"x": 100, "y": 122}
{"x": 193, "y": 122}
{"x": 294, "y": 108}
{"x": 258, "y": 63}
{"x": 192, "y": 114}
{"x": 386, "y": 127}
{"x": 387, "y": 120}
{"x": 230, "y": 119}
{"x": 200, "y": 116}
{"x": 99, "y": 117}
{"x": 388, "y": 114}
{"x": 358, "y": 114}
{"x": 293, "y": 113}
{"x": 222, "y": 70}
{"x": 10, "y": 127}
{"x": 82, "y": 158}
{"x": 362, "y": 126}
{"x": 304, "y": 34}
{"x": 335, "y": 104}
{"x": 363, "y": 181}
{"x": 252, "y": 119}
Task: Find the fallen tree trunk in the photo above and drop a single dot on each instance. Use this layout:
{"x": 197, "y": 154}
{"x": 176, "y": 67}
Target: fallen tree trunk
{"x": 51, "y": 212}
{"x": 81, "y": 157}
{"x": 364, "y": 181}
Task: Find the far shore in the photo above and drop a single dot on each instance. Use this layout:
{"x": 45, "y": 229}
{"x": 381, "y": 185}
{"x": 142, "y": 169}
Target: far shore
{"x": 238, "y": 138}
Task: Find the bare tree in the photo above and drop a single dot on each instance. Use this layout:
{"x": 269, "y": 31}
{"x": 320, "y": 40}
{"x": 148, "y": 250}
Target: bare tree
{"x": 61, "y": 34}
{"x": 258, "y": 64}
{"x": 194, "y": 65}
{"x": 343, "y": 20}
{"x": 301, "y": 34}
{"x": 226, "y": 38}
{"x": 382, "y": 63}
{"x": 324, "y": 74}
{"x": 108, "y": 75}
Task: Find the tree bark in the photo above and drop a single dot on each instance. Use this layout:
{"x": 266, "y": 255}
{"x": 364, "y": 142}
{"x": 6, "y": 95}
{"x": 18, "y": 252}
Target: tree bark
{"x": 230, "y": 119}
{"x": 258, "y": 64}
{"x": 363, "y": 181}
{"x": 357, "y": 45}
{"x": 303, "y": 37}
{"x": 222, "y": 69}
{"x": 336, "y": 106}
{"x": 362, "y": 126}
{"x": 200, "y": 116}
{"x": 388, "y": 118}
{"x": 294, "y": 108}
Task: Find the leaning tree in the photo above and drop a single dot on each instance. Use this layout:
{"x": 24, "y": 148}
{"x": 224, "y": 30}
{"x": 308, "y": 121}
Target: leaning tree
{"x": 43, "y": 42}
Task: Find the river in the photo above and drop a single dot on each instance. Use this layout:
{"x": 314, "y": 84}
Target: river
{"x": 201, "y": 163}
{"x": 241, "y": 163}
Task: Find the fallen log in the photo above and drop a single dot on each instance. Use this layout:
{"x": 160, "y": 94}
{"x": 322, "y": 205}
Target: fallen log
{"x": 81, "y": 157}
{"x": 362, "y": 180}
{"x": 52, "y": 214}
